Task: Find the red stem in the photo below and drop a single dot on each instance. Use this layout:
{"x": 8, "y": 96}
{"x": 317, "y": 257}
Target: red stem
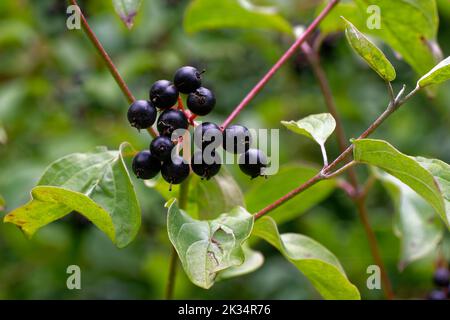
{"x": 279, "y": 63}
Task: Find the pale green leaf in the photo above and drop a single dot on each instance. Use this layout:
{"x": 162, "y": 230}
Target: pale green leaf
{"x": 212, "y": 14}
{"x": 318, "y": 264}
{"x": 253, "y": 261}
{"x": 206, "y": 248}
{"x": 437, "y": 75}
{"x": 264, "y": 192}
{"x": 317, "y": 127}
{"x": 416, "y": 223}
{"x": 102, "y": 177}
{"x": 52, "y": 203}
{"x": 374, "y": 57}
{"x": 408, "y": 26}
{"x": 381, "y": 154}
{"x": 127, "y": 10}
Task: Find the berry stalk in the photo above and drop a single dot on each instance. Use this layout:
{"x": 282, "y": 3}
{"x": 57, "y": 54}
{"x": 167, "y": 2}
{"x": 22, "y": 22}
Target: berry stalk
{"x": 261, "y": 84}
{"x": 106, "y": 58}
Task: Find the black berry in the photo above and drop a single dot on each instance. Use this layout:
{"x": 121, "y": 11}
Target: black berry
{"x": 161, "y": 147}
{"x": 201, "y": 101}
{"x": 437, "y": 295}
{"x": 205, "y": 166}
{"x": 163, "y": 94}
{"x": 141, "y": 114}
{"x": 207, "y": 133}
{"x": 145, "y": 165}
{"x": 171, "y": 120}
{"x": 441, "y": 277}
{"x": 236, "y": 139}
{"x": 175, "y": 170}
{"x": 187, "y": 79}
{"x": 253, "y": 162}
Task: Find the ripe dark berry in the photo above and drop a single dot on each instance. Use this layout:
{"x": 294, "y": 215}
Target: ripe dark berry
{"x": 441, "y": 277}
{"x": 207, "y": 133}
{"x": 163, "y": 94}
{"x": 205, "y": 165}
{"x": 437, "y": 295}
{"x": 201, "y": 101}
{"x": 171, "y": 120}
{"x": 175, "y": 170}
{"x": 236, "y": 139}
{"x": 253, "y": 162}
{"x": 187, "y": 79}
{"x": 145, "y": 165}
{"x": 161, "y": 147}
{"x": 141, "y": 114}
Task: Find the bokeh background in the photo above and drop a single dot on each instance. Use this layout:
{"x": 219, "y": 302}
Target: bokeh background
{"x": 57, "y": 97}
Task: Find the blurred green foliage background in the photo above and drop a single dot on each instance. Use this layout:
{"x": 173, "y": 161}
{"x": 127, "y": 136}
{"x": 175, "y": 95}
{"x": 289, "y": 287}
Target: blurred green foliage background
{"x": 57, "y": 97}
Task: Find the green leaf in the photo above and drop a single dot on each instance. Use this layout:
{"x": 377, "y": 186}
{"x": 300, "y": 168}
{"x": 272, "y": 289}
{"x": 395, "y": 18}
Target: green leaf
{"x": 52, "y": 203}
{"x": 253, "y": 261}
{"x": 2, "y": 203}
{"x": 318, "y": 264}
{"x": 441, "y": 173}
{"x": 219, "y": 194}
{"x": 127, "y": 10}
{"x": 374, "y": 57}
{"x": 437, "y": 75}
{"x": 381, "y": 154}
{"x": 317, "y": 127}
{"x": 416, "y": 225}
{"x": 264, "y": 192}
{"x": 206, "y": 248}
{"x": 102, "y": 177}
{"x": 211, "y": 14}
{"x": 408, "y": 26}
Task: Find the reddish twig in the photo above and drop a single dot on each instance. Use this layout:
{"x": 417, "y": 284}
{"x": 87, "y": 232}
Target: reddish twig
{"x": 249, "y": 97}
{"x": 106, "y": 58}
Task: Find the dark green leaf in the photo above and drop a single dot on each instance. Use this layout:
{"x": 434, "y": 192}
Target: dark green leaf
{"x": 264, "y": 192}
{"x": 206, "y": 248}
{"x": 211, "y": 14}
{"x": 374, "y": 57}
{"x": 318, "y": 264}
{"x": 381, "y": 154}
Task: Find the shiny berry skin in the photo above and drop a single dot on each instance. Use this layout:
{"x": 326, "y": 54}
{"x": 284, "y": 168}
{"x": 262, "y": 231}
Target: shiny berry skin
{"x": 145, "y": 165}
{"x": 253, "y": 162}
{"x": 207, "y": 133}
{"x": 175, "y": 170}
{"x": 171, "y": 120}
{"x": 441, "y": 277}
{"x": 163, "y": 94}
{"x": 142, "y": 114}
{"x": 205, "y": 166}
{"x": 187, "y": 79}
{"x": 437, "y": 295}
{"x": 161, "y": 147}
{"x": 201, "y": 101}
{"x": 236, "y": 139}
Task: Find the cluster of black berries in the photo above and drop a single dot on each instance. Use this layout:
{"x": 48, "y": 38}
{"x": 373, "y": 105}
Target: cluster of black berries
{"x": 441, "y": 279}
{"x": 200, "y": 101}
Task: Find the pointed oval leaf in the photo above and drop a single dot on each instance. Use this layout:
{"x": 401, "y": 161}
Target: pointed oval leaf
{"x": 437, "y": 75}
{"x": 212, "y": 14}
{"x": 383, "y": 155}
{"x": 318, "y": 264}
{"x": 207, "y": 248}
{"x": 317, "y": 127}
{"x": 264, "y": 192}
{"x": 374, "y": 57}
{"x": 52, "y": 203}
{"x": 416, "y": 225}
{"x": 102, "y": 177}
{"x": 127, "y": 10}
{"x": 408, "y": 26}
